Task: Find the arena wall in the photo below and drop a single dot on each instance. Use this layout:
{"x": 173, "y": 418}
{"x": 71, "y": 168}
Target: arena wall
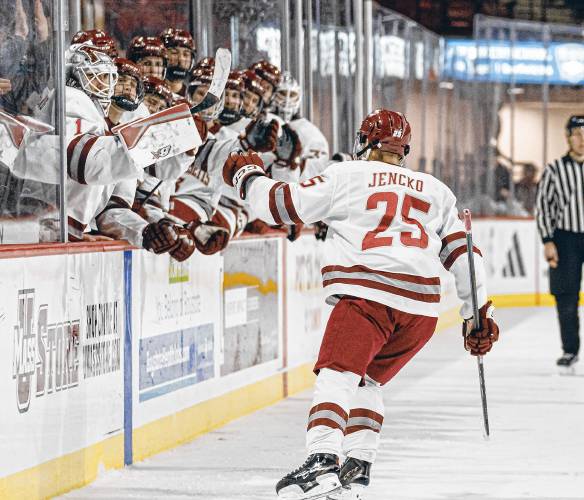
{"x": 110, "y": 354}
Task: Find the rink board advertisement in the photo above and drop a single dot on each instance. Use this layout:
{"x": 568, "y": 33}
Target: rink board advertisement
{"x": 61, "y": 335}
{"x": 176, "y": 331}
{"x": 252, "y": 294}
{"x": 306, "y": 310}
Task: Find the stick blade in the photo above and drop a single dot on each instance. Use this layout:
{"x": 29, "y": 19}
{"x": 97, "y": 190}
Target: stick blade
{"x": 220, "y": 76}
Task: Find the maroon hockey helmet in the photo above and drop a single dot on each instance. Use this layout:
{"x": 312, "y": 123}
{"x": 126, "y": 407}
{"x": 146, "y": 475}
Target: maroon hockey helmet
{"x": 100, "y": 39}
{"x": 153, "y": 85}
{"x": 144, "y": 46}
{"x": 235, "y": 82}
{"x": 385, "y": 130}
{"x": 252, "y": 83}
{"x": 267, "y": 71}
{"x": 173, "y": 37}
{"x": 206, "y": 62}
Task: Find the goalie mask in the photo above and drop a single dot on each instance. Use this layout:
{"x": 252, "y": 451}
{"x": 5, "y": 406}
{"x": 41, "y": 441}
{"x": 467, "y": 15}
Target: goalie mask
{"x": 149, "y": 53}
{"x": 157, "y": 95}
{"x": 100, "y": 39}
{"x": 181, "y": 53}
{"x": 129, "y": 90}
{"x": 234, "y": 90}
{"x": 383, "y": 130}
{"x": 286, "y": 101}
{"x": 93, "y": 72}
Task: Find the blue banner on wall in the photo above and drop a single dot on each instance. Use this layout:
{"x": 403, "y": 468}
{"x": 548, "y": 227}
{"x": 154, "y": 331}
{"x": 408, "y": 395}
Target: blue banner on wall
{"x": 175, "y": 360}
{"x": 522, "y": 62}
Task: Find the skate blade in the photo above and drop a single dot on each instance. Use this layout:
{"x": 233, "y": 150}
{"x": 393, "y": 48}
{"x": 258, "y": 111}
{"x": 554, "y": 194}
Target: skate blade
{"x": 567, "y": 371}
{"x": 327, "y": 483}
{"x": 354, "y": 492}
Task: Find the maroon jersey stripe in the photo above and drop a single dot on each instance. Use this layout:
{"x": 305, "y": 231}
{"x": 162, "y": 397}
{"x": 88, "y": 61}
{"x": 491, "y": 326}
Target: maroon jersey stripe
{"x": 410, "y": 278}
{"x": 422, "y": 297}
{"x": 290, "y": 205}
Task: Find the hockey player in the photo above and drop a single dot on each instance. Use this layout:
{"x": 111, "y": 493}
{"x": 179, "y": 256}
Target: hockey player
{"x": 149, "y": 53}
{"x": 270, "y": 77}
{"x": 234, "y": 91}
{"x": 390, "y": 230}
{"x": 181, "y": 55}
{"x": 157, "y": 94}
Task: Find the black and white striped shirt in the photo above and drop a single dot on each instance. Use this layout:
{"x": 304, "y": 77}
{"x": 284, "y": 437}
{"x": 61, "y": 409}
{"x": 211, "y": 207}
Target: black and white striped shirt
{"x": 560, "y": 198}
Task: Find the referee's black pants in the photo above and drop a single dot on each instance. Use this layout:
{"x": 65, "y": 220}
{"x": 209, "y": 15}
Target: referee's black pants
{"x": 565, "y": 286}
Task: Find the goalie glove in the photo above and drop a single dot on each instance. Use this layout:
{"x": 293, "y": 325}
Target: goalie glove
{"x": 208, "y": 237}
{"x": 288, "y": 148}
{"x": 160, "y": 237}
{"x": 480, "y": 342}
{"x": 240, "y": 167}
{"x": 260, "y": 135}
{"x": 185, "y": 246}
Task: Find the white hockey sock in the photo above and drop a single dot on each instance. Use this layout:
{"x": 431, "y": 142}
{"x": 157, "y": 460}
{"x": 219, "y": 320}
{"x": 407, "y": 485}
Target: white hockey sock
{"x": 365, "y": 420}
{"x": 329, "y": 413}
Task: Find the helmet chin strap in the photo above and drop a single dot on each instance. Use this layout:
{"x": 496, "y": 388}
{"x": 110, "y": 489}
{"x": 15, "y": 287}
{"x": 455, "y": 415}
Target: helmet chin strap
{"x": 369, "y": 146}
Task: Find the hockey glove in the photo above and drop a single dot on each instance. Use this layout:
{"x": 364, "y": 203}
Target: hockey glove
{"x": 260, "y": 135}
{"x": 160, "y": 237}
{"x": 240, "y": 167}
{"x": 480, "y": 342}
{"x": 288, "y": 148}
{"x": 208, "y": 237}
{"x": 185, "y": 246}
{"x": 320, "y": 230}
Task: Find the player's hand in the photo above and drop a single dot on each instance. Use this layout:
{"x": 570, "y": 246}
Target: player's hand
{"x": 160, "y": 237}
{"x": 289, "y": 148}
{"x": 185, "y": 245}
{"x": 551, "y": 254}
{"x": 209, "y": 238}
{"x": 240, "y": 167}
{"x": 5, "y": 86}
{"x": 480, "y": 342}
{"x": 260, "y": 135}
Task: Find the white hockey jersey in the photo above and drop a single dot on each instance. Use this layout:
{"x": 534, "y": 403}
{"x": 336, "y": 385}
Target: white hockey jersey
{"x": 390, "y": 231}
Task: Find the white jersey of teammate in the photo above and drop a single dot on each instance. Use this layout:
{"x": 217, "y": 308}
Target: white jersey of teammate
{"x": 199, "y": 189}
{"x": 239, "y": 125}
{"x": 390, "y": 232}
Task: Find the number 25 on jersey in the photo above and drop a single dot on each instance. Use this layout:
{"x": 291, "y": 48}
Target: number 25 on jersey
{"x": 391, "y": 201}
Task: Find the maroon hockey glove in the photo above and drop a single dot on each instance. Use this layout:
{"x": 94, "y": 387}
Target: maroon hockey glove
{"x": 160, "y": 237}
{"x": 208, "y": 237}
{"x": 480, "y": 342}
{"x": 288, "y": 148}
{"x": 240, "y": 167}
{"x": 185, "y": 246}
{"x": 260, "y": 135}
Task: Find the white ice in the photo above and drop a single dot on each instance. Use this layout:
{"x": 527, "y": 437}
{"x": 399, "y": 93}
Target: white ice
{"x": 432, "y": 445}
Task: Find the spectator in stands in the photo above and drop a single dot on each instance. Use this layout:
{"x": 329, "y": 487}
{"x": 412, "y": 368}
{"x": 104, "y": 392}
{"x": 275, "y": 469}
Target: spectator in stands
{"x": 526, "y": 188}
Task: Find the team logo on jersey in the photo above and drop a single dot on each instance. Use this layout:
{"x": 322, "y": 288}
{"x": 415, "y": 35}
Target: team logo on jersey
{"x": 161, "y": 153}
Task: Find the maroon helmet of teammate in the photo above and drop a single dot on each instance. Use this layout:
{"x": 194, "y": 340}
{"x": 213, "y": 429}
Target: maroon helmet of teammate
{"x": 206, "y": 62}
{"x": 149, "y": 53}
{"x": 100, "y": 39}
{"x": 234, "y": 90}
{"x": 253, "y": 96}
{"x": 157, "y": 94}
{"x": 181, "y": 53}
{"x": 385, "y": 131}
{"x": 129, "y": 91}
{"x": 270, "y": 77}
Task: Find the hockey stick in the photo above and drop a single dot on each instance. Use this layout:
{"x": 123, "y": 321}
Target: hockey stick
{"x": 476, "y": 316}
{"x": 220, "y": 76}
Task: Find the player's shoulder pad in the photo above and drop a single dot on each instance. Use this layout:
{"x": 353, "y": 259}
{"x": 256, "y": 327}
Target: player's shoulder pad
{"x": 80, "y": 105}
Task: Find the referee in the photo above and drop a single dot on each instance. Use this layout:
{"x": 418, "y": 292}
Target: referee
{"x": 560, "y": 221}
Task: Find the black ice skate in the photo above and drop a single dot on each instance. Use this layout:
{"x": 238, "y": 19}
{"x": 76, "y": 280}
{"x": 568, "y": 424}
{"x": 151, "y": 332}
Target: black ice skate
{"x": 354, "y": 476}
{"x": 315, "y": 478}
{"x": 567, "y": 363}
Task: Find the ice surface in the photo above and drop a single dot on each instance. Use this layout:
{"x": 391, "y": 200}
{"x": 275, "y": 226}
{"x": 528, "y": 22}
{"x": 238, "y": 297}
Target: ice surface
{"x": 432, "y": 445}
